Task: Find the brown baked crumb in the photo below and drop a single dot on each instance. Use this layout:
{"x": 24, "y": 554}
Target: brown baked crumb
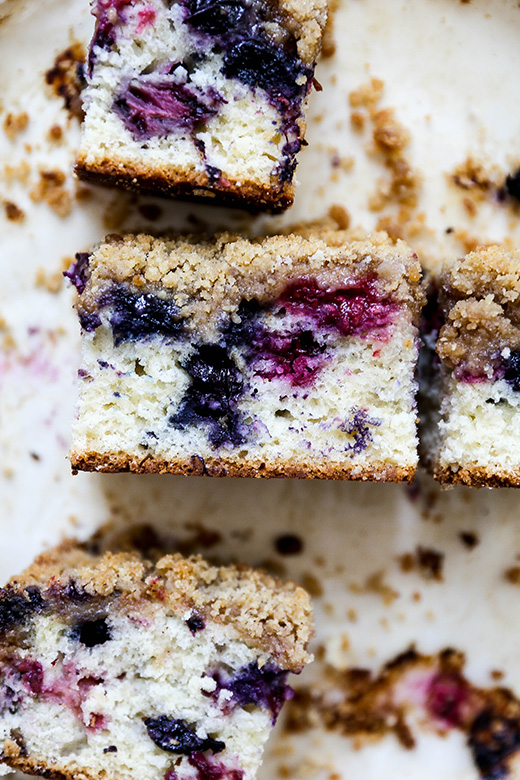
{"x": 55, "y": 134}
{"x": 15, "y": 123}
{"x": 427, "y": 561}
{"x": 312, "y": 585}
{"x": 397, "y": 193}
{"x": 17, "y": 173}
{"x": 51, "y": 281}
{"x": 13, "y": 212}
{"x": 66, "y": 78}
{"x": 375, "y": 584}
{"x": 469, "y": 539}
{"x": 340, "y": 216}
{"x": 512, "y": 575}
{"x": 358, "y": 121}
{"x": 368, "y": 95}
{"x": 52, "y": 190}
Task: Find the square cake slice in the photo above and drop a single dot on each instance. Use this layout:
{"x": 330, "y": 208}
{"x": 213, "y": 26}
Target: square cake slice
{"x": 200, "y": 99}
{"x": 471, "y": 395}
{"x": 290, "y": 356}
{"x": 114, "y": 667}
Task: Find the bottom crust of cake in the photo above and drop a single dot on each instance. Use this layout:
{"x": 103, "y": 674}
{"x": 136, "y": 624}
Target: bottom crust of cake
{"x": 192, "y": 185}
{"x": 227, "y": 467}
{"x": 34, "y": 766}
{"x": 476, "y": 476}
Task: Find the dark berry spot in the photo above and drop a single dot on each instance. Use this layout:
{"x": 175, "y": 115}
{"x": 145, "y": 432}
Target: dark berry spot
{"x": 91, "y": 632}
{"x": 296, "y": 357}
{"x": 259, "y": 63}
{"x": 110, "y": 749}
{"x": 211, "y": 399}
{"x": 266, "y": 687}
{"x": 492, "y": 738}
{"x": 78, "y": 271}
{"x": 195, "y": 623}
{"x": 16, "y": 607}
{"x": 140, "y": 316}
{"x": 288, "y": 544}
{"x": 215, "y": 18}
{"x": 512, "y": 370}
{"x": 358, "y": 426}
{"x": 89, "y": 321}
{"x": 151, "y": 108}
{"x": 75, "y": 593}
{"x": 175, "y": 736}
{"x": 469, "y": 539}
{"x": 447, "y": 695}
{"x": 513, "y": 184}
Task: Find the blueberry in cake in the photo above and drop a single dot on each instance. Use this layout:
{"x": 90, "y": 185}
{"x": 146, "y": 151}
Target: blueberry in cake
{"x": 115, "y": 667}
{"x": 471, "y": 394}
{"x": 200, "y": 99}
{"x": 287, "y": 356}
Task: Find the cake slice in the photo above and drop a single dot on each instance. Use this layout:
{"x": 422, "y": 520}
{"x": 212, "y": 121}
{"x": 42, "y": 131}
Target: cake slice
{"x": 290, "y": 356}
{"x": 472, "y": 394}
{"x": 113, "y": 667}
{"x": 200, "y": 99}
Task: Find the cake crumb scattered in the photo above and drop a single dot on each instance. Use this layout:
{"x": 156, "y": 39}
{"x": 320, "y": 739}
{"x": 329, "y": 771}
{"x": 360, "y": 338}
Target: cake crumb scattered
{"x": 512, "y": 575}
{"x": 15, "y": 124}
{"x": 427, "y": 561}
{"x": 51, "y": 189}
{"x": 66, "y": 78}
{"x": 55, "y": 134}
{"x": 367, "y": 95}
{"x": 17, "y": 173}
{"x": 375, "y": 584}
{"x": 51, "y": 281}
{"x": 13, "y": 212}
{"x": 469, "y": 539}
{"x": 312, "y": 585}
{"x": 340, "y": 215}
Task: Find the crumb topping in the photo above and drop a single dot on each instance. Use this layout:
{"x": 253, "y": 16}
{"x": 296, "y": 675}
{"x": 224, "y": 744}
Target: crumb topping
{"x": 208, "y": 278}
{"x": 265, "y": 613}
{"x": 480, "y": 302}
{"x": 306, "y": 20}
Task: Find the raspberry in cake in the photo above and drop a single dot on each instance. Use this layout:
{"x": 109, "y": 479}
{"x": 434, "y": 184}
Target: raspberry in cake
{"x": 199, "y": 99}
{"x": 115, "y": 667}
{"x": 290, "y": 356}
{"x": 471, "y": 395}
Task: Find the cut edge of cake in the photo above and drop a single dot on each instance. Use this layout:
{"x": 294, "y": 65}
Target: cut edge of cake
{"x": 242, "y": 629}
{"x": 470, "y": 397}
{"x": 224, "y": 270}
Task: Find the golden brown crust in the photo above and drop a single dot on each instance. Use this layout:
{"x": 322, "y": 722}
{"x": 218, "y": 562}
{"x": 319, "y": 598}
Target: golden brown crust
{"x": 476, "y": 476}
{"x": 228, "y": 467}
{"x": 34, "y": 766}
{"x": 263, "y": 612}
{"x": 189, "y": 186}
